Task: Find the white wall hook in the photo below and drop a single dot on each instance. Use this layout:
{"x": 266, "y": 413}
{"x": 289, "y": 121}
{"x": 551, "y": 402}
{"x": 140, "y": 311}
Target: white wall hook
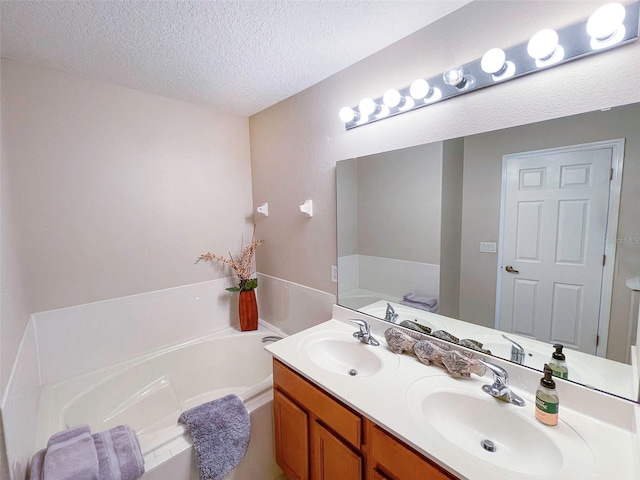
{"x": 307, "y": 208}
{"x": 263, "y": 209}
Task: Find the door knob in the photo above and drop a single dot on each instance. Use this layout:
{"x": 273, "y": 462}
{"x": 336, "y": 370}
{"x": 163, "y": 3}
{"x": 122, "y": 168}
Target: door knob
{"x": 510, "y": 269}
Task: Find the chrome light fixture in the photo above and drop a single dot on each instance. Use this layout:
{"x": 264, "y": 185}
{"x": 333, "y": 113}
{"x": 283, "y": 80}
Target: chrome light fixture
{"x": 610, "y": 26}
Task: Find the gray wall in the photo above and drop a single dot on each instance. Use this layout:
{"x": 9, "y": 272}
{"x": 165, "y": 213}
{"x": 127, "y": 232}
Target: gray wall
{"x": 399, "y": 204}
{"x": 451, "y": 234}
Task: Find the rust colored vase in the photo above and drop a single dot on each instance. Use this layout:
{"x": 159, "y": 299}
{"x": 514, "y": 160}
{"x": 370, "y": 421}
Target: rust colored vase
{"x": 248, "y": 310}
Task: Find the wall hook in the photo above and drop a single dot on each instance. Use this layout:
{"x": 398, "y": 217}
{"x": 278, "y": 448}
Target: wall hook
{"x": 307, "y": 208}
{"x": 263, "y": 209}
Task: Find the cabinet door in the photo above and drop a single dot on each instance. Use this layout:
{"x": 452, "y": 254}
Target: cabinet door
{"x": 332, "y": 459}
{"x": 292, "y": 437}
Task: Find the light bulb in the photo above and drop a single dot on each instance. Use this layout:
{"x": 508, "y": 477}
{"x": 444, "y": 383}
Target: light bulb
{"x": 605, "y": 21}
{"x": 392, "y": 98}
{"x": 368, "y": 106}
{"x": 454, "y": 76}
{"x": 348, "y": 114}
{"x": 543, "y": 44}
{"x": 420, "y": 89}
{"x": 493, "y": 61}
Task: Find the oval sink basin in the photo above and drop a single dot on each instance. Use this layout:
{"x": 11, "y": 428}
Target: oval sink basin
{"x": 339, "y": 352}
{"x": 466, "y": 417}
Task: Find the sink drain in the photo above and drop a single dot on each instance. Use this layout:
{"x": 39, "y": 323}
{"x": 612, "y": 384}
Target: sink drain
{"x": 353, "y": 372}
{"x": 488, "y": 445}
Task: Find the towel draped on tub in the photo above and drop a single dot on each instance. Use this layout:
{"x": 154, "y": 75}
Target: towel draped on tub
{"x": 75, "y": 454}
{"x": 220, "y": 430}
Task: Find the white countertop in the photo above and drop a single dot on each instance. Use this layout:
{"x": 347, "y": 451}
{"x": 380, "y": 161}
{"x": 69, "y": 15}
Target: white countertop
{"x": 383, "y": 399}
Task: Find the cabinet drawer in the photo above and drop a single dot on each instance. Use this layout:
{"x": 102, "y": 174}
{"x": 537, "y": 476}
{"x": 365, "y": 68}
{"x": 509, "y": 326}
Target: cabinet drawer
{"x": 333, "y": 414}
{"x": 398, "y": 461}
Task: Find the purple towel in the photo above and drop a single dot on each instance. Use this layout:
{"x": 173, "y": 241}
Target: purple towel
{"x": 71, "y": 457}
{"x": 119, "y": 454}
{"x": 68, "y": 434}
{"x": 220, "y": 430}
{"x": 75, "y": 454}
{"x": 36, "y": 465}
{"x": 428, "y": 302}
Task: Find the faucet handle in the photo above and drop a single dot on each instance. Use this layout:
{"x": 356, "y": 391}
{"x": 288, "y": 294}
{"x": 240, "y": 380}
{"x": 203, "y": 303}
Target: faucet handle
{"x": 517, "y": 352}
{"x": 500, "y": 375}
{"x": 364, "y": 326}
{"x": 500, "y": 387}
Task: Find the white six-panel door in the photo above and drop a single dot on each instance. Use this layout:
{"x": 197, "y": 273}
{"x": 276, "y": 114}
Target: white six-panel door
{"x": 553, "y": 241}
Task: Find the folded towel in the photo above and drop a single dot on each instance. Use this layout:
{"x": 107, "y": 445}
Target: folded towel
{"x": 220, "y": 430}
{"x": 73, "y": 457}
{"x": 68, "y": 434}
{"x": 36, "y": 465}
{"x": 75, "y": 454}
{"x": 119, "y": 454}
{"x": 420, "y": 306}
{"x": 429, "y": 302}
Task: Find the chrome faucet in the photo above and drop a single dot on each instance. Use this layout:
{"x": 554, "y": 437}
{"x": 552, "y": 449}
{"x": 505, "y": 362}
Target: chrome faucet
{"x": 500, "y": 387}
{"x": 517, "y": 352}
{"x": 271, "y": 338}
{"x": 364, "y": 332}
{"x": 390, "y": 314}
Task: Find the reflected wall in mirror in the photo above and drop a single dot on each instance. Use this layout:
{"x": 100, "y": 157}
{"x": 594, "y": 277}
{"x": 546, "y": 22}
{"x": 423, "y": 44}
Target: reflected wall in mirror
{"x": 426, "y": 220}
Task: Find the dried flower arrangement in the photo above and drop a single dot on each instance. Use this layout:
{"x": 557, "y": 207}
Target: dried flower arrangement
{"x": 242, "y": 265}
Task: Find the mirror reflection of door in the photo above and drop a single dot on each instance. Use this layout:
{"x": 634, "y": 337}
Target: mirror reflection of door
{"x": 555, "y": 215}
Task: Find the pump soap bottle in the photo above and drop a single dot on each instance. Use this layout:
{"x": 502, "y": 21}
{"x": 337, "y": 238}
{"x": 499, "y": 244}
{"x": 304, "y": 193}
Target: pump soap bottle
{"x": 558, "y": 363}
{"x": 547, "y": 400}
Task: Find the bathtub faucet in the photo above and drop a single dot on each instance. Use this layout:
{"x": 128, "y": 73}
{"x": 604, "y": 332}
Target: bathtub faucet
{"x": 364, "y": 332}
{"x": 271, "y": 338}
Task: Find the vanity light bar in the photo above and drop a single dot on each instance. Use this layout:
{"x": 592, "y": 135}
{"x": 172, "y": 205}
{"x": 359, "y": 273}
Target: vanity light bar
{"x": 610, "y": 26}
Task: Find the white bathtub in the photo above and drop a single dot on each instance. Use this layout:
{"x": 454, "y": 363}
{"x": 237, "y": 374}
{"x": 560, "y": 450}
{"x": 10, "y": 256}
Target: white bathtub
{"x": 150, "y": 392}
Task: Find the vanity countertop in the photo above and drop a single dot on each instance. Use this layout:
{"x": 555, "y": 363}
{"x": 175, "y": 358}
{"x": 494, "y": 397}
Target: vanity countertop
{"x": 384, "y": 398}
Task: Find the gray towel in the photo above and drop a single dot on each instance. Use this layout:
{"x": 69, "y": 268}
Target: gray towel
{"x": 220, "y": 430}
{"x": 119, "y": 455}
{"x": 73, "y": 457}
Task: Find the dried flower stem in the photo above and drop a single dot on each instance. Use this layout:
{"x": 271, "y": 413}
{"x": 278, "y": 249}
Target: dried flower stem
{"x": 242, "y": 265}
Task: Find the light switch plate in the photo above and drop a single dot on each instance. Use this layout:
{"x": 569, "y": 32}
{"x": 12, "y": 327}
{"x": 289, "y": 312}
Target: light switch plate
{"x": 487, "y": 247}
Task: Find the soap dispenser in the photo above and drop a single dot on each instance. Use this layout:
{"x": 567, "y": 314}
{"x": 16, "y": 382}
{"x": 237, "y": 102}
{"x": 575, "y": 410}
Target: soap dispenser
{"x": 558, "y": 363}
{"x": 547, "y": 400}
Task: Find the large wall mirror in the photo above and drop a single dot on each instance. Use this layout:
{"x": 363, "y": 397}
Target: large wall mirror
{"x": 518, "y": 239}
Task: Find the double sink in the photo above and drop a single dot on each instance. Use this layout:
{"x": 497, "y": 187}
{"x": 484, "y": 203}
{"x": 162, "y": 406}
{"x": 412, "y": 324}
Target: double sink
{"x": 455, "y": 414}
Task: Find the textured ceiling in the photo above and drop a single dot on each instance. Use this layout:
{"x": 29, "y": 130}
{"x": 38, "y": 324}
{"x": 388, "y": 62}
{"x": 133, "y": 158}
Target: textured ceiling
{"x": 241, "y": 56}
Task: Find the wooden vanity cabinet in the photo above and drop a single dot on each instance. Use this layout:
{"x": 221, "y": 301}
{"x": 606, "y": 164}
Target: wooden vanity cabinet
{"x": 317, "y": 437}
{"x": 320, "y": 438}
